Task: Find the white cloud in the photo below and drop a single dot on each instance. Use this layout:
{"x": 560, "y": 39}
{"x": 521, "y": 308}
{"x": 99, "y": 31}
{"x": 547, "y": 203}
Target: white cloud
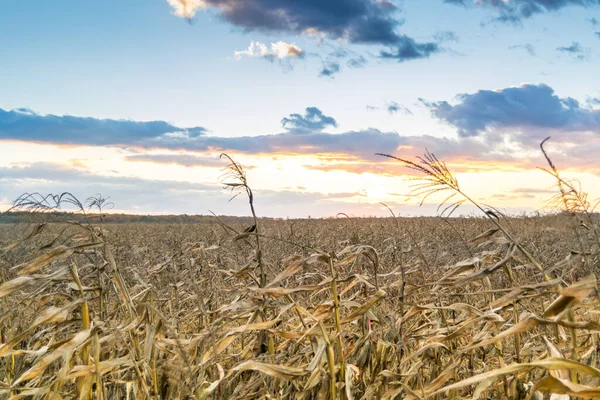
{"x": 186, "y": 8}
{"x": 278, "y": 50}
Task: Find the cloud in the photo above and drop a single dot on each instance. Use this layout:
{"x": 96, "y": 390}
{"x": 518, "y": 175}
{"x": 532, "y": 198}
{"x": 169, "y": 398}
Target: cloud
{"x": 127, "y": 193}
{"x": 407, "y": 49}
{"x": 393, "y": 108}
{"x": 313, "y": 120}
{"x": 186, "y": 160}
{"x": 186, "y": 8}
{"x": 593, "y": 21}
{"x": 132, "y": 194}
{"x": 278, "y": 50}
{"x": 534, "y": 191}
{"x": 331, "y": 64}
{"x": 359, "y": 21}
{"x": 446, "y": 36}
{"x": 575, "y": 50}
{"x": 372, "y": 22}
{"x": 330, "y": 68}
{"x": 525, "y": 46}
{"x": 524, "y": 106}
{"x": 507, "y": 197}
{"x": 340, "y": 53}
{"x": 508, "y": 123}
{"x": 513, "y": 11}
{"x": 357, "y": 62}
{"x": 597, "y": 34}
{"x": 24, "y": 124}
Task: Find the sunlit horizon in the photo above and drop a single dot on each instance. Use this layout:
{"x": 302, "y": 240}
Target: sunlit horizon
{"x": 138, "y": 103}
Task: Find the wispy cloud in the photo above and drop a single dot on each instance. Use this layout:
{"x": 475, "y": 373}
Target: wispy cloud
{"x": 534, "y": 191}
{"x": 407, "y": 49}
{"x": 575, "y": 50}
{"x": 393, "y": 108}
{"x": 446, "y": 36}
{"x": 513, "y": 11}
{"x": 357, "y": 62}
{"x": 186, "y": 160}
{"x": 277, "y": 50}
{"x": 330, "y": 68}
{"x": 525, "y": 46}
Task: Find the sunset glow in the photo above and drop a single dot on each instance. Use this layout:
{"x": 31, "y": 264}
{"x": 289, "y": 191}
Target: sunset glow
{"x": 143, "y": 103}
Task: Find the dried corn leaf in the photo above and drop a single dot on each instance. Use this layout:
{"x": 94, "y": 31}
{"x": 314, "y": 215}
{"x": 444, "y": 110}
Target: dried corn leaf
{"x": 571, "y": 296}
{"x": 65, "y": 351}
{"x": 547, "y": 364}
{"x": 276, "y": 371}
{"x": 551, "y": 384}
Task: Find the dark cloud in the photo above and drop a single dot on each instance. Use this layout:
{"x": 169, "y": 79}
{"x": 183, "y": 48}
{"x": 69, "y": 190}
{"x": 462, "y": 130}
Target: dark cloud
{"x": 594, "y": 21}
{"x": 313, "y": 120}
{"x": 373, "y": 22}
{"x": 393, "y": 108}
{"x": 360, "y": 21}
{"x": 24, "y": 124}
{"x": 525, "y": 46}
{"x": 514, "y": 11}
{"x": 525, "y": 106}
{"x": 597, "y": 34}
{"x": 407, "y": 49}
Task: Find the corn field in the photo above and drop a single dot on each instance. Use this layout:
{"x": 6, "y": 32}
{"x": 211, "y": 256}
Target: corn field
{"x": 485, "y": 307}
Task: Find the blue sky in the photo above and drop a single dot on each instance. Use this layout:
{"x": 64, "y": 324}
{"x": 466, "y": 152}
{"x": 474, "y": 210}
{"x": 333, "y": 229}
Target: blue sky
{"x": 382, "y": 70}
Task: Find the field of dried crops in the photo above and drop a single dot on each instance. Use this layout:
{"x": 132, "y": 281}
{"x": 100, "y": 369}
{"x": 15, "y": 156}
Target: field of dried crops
{"x": 391, "y": 308}
{"x": 348, "y": 308}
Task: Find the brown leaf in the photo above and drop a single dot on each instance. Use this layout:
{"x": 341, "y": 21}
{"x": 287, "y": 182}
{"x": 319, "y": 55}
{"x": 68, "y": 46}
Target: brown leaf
{"x": 277, "y": 371}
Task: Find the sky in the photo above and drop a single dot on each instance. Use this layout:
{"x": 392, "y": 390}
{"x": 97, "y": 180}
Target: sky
{"x": 136, "y": 100}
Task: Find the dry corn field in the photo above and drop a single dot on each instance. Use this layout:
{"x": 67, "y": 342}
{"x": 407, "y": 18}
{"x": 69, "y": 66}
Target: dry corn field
{"x": 229, "y": 308}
